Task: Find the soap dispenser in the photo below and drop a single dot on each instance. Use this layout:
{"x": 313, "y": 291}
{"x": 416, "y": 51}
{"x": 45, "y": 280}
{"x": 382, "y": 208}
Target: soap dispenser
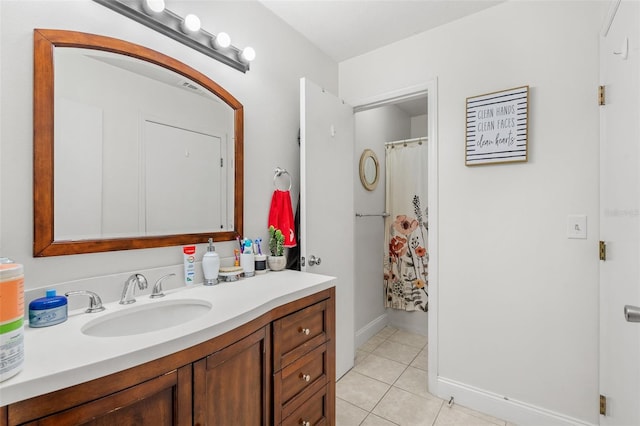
{"x": 211, "y": 265}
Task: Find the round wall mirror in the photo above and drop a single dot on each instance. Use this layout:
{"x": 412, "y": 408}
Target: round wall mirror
{"x": 369, "y": 169}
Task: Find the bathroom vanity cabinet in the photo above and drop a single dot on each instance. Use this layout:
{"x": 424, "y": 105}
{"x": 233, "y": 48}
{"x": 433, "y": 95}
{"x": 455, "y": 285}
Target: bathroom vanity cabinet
{"x": 278, "y": 368}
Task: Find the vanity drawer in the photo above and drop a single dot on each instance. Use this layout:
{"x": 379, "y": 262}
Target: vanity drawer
{"x": 313, "y": 412}
{"x": 298, "y": 333}
{"x": 301, "y": 374}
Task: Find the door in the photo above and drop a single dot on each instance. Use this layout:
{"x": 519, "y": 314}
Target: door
{"x": 162, "y": 401}
{"x": 231, "y": 386}
{"x": 620, "y": 217}
{"x": 327, "y": 216}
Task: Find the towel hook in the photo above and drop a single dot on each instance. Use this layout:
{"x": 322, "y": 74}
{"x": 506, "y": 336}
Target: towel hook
{"x": 279, "y": 171}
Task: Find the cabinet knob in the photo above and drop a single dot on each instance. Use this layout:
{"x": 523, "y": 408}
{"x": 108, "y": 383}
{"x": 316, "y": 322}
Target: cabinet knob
{"x": 305, "y": 377}
{"x": 304, "y": 331}
{"x": 304, "y": 423}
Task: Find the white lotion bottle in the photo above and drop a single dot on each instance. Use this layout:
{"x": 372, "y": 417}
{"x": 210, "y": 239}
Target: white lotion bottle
{"x": 211, "y": 265}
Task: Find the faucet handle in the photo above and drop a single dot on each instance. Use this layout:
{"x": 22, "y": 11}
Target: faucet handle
{"x": 95, "y": 303}
{"x": 157, "y": 287}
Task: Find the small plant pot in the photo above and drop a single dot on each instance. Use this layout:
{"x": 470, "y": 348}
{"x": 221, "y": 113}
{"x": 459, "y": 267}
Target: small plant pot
{"x": 277, "y": 263}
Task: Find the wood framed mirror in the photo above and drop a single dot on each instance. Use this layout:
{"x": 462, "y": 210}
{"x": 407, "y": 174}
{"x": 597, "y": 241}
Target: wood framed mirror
{"x": 369, "y": 170}
{"x": 74, "y": 197}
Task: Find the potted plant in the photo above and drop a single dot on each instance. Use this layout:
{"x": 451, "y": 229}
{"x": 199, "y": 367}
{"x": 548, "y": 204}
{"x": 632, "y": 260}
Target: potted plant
{"x": 277, "y": 260}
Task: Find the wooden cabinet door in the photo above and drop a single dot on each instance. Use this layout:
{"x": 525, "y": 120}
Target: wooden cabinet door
{"x": 156, "y": 402}
{"x": 231, "y": 386}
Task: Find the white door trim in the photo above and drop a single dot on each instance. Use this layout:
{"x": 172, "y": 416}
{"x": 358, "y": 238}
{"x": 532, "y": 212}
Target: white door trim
{"x": 406, "y": 94}
{"x": 430, "y": 88}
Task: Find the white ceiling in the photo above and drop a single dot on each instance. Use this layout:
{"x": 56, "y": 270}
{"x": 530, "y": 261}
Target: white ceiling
{"x": 346, "y": 28}
{"x": 343, "y": 29}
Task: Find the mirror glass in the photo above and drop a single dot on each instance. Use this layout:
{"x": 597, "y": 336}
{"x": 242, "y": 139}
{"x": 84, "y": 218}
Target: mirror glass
{"x": 139, "y": 150}
{"x": 146, "y": 152}
{"x": 369, "y": 169}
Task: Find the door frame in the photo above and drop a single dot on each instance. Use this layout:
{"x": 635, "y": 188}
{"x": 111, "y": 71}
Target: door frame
{"x": 430, "y": 89}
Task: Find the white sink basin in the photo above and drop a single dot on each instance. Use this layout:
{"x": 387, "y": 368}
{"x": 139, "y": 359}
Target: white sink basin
{"x": 146, "y": 318}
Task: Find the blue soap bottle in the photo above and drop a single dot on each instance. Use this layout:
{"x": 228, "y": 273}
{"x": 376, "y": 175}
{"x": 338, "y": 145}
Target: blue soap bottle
{"x": 48, "y": 310}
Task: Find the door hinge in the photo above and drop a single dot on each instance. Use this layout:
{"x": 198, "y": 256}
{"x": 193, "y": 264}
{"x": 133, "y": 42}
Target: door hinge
{"x": 603, "y": 405}
{"x": 222, "y": 162}
{"x": 601, "y": 97}
{"x": 603, "y": 250}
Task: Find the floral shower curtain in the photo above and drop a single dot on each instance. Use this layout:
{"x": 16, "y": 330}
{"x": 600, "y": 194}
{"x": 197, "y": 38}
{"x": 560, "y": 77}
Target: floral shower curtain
{"x": 406, "y": 257}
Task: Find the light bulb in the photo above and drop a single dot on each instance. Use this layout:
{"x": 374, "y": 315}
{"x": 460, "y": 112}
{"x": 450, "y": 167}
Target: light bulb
{"x": 153, "y": 6}
{"x": 248, "y": 54}
{"x": 221, "y": 41}
{"x": 191, "y": 24}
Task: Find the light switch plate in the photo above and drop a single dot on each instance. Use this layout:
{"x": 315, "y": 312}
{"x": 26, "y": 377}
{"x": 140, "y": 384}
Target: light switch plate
{"x": 577, "y": 226}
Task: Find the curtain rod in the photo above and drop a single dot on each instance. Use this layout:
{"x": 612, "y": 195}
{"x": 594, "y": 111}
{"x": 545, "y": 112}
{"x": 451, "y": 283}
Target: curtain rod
{"x": 406, "y": 141}
{"x": 385, "y": 214}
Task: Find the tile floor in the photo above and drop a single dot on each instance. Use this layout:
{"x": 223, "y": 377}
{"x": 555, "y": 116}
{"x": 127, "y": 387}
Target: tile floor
{"x": 388, "y": 386}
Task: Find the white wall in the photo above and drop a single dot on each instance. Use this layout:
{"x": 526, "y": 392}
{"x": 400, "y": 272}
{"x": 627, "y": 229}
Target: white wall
{"x": 419, "y": 126}
{"x": 518, "y": 301}
{"x": 269, "y": 93}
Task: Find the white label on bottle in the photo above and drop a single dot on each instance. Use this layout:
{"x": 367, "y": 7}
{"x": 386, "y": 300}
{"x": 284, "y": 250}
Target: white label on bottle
{"x": 11, "y": 353}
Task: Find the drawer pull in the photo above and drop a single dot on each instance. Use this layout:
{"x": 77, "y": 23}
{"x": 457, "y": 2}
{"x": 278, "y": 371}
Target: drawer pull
{"x": 304, "y": 423}
{"x": 305, "y": 377}
{"x": 304, "y": 331}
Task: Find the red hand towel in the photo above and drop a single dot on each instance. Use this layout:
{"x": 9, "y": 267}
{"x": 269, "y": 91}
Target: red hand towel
{"x": 281, "y": 216}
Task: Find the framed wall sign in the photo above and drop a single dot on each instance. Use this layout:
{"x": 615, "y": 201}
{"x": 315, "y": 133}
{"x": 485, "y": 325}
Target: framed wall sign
{"x": 497, "y": 127}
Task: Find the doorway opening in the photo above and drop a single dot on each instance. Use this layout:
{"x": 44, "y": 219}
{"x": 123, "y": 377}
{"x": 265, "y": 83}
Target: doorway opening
{"x": 404, "y": 115}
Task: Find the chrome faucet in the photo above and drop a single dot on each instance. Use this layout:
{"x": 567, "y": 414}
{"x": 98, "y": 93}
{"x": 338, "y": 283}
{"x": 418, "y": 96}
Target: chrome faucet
{"x": 130, "y": 287}
{"x": 95, "y": 303}
{"x": 157, "y": 287}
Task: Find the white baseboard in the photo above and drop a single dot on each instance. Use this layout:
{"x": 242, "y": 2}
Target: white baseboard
{"x": 416, "y": 322}
{"x": 370, "y": 330}
{"x": 514, "y": 411}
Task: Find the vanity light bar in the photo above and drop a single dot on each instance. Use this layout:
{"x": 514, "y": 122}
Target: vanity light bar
{"x": 171, "y": 25}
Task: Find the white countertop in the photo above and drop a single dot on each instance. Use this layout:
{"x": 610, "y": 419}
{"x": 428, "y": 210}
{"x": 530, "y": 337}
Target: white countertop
{"x": 61, "y": 355}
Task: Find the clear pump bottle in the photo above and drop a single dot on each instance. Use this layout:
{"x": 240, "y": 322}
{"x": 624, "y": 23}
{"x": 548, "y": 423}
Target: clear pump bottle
{"x": 211, "y": 265}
